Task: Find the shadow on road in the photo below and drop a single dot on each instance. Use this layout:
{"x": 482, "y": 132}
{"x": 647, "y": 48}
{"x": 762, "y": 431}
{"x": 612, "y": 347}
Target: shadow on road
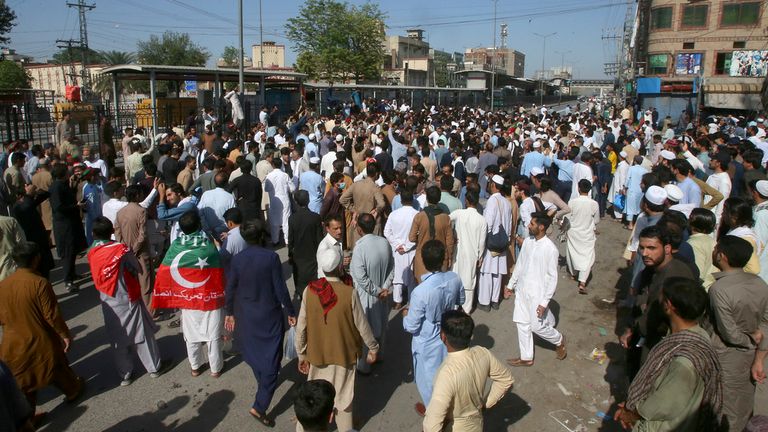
{"x": 510, "y": 409}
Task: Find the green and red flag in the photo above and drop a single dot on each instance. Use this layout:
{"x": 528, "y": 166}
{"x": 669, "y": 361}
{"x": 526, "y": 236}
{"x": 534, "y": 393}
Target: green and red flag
{"x": 190, "y": 276}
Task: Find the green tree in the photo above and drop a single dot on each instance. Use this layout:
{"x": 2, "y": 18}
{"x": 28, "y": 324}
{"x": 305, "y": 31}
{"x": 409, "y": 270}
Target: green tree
{"x": 171, "y": 48}
{"x": 74, "y": 55}
{"x": 7, "y": 21}
{"x": 176, "y": 49}
{"x": 13, "y": 76}
{"x": 337, "y": 41}
{"x": 102, "y": 83}
{"x": 230, "y": 56}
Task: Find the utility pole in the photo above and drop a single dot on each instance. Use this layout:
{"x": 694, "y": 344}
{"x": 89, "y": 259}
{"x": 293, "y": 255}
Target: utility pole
{"x": 543, "y": 56}
{"x": 85, "y": 74}
{"x": 493, "y": 59}
{"x": 261, "y": 39}
{"x": 241, "y": 87}
{"x": 70, "y": 78}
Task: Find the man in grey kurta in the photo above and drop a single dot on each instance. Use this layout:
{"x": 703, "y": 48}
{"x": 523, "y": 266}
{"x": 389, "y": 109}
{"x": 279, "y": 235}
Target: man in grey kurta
{"x": 372, "y": 269}
{"x": 127, "y": 321}
{"x": 739, "y": 303}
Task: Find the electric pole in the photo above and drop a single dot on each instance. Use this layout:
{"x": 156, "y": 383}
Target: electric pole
{"x": 493, "y": 59}
{"x": 240, "y": 79}
{"x": 543, "y": 56}
{"x": 85, "y": 74}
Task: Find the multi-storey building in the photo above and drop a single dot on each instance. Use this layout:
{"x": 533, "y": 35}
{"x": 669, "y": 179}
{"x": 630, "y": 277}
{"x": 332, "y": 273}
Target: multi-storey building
{"x": 716, "y": 47}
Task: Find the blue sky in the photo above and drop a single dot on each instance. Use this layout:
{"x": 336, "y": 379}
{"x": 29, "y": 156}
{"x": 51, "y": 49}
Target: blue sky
{"x": 450, "y": 25}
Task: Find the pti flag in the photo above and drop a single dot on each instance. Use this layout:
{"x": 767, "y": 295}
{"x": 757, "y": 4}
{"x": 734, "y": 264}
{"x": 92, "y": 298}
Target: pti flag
{"x": 191, "y": 276}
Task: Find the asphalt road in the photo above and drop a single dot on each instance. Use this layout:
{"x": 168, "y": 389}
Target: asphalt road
{"x": 569, "y": 395}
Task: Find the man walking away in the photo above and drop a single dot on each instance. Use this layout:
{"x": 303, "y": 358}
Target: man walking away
{"x": 396, "y": 232}
{"x": 458, "y": 400}
{"x": 581, "y": 236}
{"x": 471, "y": 230}
{"x": 438, "y": 292}
{"x": 372, "y": 269}
{"x": 305, "y": 232}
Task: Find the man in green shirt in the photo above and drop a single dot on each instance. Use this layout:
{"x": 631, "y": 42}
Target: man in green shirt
{"x": 679, "y": 386}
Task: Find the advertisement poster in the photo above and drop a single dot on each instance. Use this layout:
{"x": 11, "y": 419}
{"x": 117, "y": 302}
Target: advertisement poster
{"x": 688, "y": 64}
{"x": 749, "y": 64}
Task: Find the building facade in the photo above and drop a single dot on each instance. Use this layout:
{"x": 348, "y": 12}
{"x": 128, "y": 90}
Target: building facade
{"x": 508, "y": 61}
{"x": 49, "y": 76}
{"x": 273, "y": 53}
{"x": 714, "y": 46}
{"x": 408, "y": 60}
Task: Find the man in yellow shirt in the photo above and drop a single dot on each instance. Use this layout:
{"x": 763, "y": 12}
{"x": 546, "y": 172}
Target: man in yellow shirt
{"x": 458, "y": 400}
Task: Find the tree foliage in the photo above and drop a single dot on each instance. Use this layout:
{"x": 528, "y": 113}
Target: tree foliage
{"x": 74, "y": 55}
{"x": 13, "y": 76}
{"x": 230, "y": 56}
{"x": 337, "y": 41}
{"x": 171, "y": 49}
{"x": 102, "y": 83}
{"x": 7, "y": 21}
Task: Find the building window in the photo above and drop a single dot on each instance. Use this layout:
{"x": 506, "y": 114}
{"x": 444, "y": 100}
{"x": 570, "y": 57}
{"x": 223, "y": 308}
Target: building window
{"x": 695, "y": 15}
{"x": 740, "y": 44}
{"x": 723, "y": 63}
{"x": 740, "y": 14}
{"x": 688, "y": 45}
{"x": 661, "y": 18}
{"x": 657, "y": 64}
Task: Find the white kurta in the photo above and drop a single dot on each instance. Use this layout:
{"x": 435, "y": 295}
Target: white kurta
{"x": 580, "y": 250}
{"x": 279, "y": 187}
{"x": 498, "y": 212}
{"x": 580, "y": 172}
{"x": 471, "y": 229}
{"x": 237, "y": 109}
{"x": 619, "y": 178}
{"x": 202, "y": 326}
{"x": 396, "y": 232}
{"x": 721, "y": 182}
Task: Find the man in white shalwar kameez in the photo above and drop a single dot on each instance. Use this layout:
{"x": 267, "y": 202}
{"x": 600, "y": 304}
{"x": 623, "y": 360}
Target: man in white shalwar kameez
{"x": 619, "y": 178}
{"x": 396, "y": 232}
{"x": 471, "y": 229}
{"x": 581, "y": 238}
{"x": 581, "y": 171}
{"x": 498, "y": 215}
{"x": 237, "y": 109}
{"x": 127, "y": 321}
{"x": 534, "y": 281}
{"x": 372, "y": 269}
{"x": 279, "y": 187}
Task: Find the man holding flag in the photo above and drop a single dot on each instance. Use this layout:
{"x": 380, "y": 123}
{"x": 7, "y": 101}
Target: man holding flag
{"x": 191, "y": 278}
{"x": 129, "y": 325}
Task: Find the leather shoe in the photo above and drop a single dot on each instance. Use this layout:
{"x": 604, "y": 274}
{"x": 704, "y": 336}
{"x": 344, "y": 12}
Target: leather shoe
{"x": 420, "y": 409}
{"x": 520, "y": 362}
{"x": 561, "y": 352}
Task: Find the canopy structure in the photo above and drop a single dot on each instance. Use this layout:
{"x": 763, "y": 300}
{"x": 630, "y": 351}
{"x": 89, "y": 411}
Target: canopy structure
{"x": 154, "y": 73}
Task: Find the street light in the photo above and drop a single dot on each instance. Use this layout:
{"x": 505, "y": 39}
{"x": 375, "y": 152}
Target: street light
{"x": 543, "y": 56}
{"x": 562, "y": 70}
{"x": 493, "y": 59}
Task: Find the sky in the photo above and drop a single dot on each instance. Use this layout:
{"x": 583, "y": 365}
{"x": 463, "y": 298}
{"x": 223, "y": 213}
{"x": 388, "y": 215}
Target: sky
{"x": 450, "y": 25}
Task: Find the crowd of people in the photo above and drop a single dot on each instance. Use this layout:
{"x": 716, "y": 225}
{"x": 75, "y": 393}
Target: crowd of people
{"x": 434, "y": 213}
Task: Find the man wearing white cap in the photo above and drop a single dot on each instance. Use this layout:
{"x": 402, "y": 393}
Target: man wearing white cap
{"x": 674, "y": 198}
{"x": 666, "y": 157}
{"x": 532, "y": 159}
{"x": 312, "y": 182}
{"x": 310, "y": 148}
{"x": 329, "y": 332}
{"x": 498, "y": 216}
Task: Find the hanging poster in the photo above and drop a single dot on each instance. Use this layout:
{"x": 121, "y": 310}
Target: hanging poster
{"x": 688, "y": 64}
{"x": 749, "y": 64}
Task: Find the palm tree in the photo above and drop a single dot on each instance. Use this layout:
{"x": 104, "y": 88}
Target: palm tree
{"x": 102, "y": 83}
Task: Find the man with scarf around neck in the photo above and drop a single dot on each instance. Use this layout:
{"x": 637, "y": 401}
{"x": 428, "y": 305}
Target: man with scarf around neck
{"x": 438, "y": 292}
{"x": 679, "y": 387}
{"x": 739, "y": 314}
{"x": 432, "y": 223}
{"x": 114, "y": 269}
{"x": 330, "y": 332}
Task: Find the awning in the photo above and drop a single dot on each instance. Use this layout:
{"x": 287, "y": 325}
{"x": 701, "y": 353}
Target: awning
{"x": 738, "y": 101}
{"x": 737, "y": 88}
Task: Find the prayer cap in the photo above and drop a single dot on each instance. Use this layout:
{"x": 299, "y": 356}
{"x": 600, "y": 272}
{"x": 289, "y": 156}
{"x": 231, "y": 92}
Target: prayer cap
{"x": 536, "y": 171}
{"x": 762, "y": 187}
{"x": 339, "y": 138}
{"x": 536, "y": 144}
{"x": 329, "y": 260}
{"x": 499, "y": 180}
{"x": 656, "y": 195}
{"x": 668, "y": 155}
{"x": 674, "y": 193}
{"x": 314, "y": 160}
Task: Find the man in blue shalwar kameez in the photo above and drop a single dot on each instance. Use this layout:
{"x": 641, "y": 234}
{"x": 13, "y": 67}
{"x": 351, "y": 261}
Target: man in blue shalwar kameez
{"x": 437, "y": 293}
{"x": 256, "y": 305}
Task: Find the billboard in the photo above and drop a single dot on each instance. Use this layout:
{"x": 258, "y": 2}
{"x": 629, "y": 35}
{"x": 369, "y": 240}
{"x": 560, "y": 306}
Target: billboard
{"x": 688, "y": 64}
{"x": 749, "y": 64}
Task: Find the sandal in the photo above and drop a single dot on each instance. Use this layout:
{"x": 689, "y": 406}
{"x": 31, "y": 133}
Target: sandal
{"x": 582, "y": 289}
{"x": 196, "y": 372}
{"x": 262, "y": 418}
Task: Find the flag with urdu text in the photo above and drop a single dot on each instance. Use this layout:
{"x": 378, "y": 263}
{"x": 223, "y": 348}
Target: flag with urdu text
{"x": 191, "y": 276}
